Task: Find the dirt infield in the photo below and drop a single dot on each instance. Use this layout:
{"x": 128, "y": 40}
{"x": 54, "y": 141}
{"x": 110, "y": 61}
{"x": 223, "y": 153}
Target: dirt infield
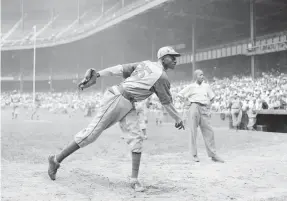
{"x": 255, "y": 168}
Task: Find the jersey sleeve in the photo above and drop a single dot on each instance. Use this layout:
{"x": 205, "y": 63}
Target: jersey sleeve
{"x": 128, "y": 69}
{"x": 162, "y": 90}
{"x": 111, "y": 71}
{"x": 124, "y": 70}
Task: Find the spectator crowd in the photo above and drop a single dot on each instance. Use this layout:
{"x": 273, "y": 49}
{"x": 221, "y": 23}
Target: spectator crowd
{"x": 266, "y": 92}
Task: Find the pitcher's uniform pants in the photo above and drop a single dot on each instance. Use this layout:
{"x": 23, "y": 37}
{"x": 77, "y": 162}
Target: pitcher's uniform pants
{"x": 114, "y": 108}
{"x": 199, "y": 115}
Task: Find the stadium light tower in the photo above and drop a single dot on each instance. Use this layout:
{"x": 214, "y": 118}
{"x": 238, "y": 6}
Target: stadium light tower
{"x": 34, "y": 63}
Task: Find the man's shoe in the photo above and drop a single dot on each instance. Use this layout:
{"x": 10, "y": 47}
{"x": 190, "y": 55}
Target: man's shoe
{"x": 195, "y": 158}
{"x": 135, "y": 184}
{"x": 217, "y": 159}
{"x": 53, "y": 167}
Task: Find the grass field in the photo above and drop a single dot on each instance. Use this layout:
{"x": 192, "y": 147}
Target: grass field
{"x": 255, "y": 168}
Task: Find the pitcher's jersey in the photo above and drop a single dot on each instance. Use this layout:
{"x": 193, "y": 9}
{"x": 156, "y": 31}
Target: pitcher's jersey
{"x": 197, "y": 93}
{"x": 145, "y": 78}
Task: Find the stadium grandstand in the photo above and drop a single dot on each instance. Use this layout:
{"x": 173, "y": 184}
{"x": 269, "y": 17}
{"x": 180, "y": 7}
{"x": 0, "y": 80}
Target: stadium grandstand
{"x": 55, "y": 22}
{"x": 61, "y": 40}
{"x": 71, "y": 37}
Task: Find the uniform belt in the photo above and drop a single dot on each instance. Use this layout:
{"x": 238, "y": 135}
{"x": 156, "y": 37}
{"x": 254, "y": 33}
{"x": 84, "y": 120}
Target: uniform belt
{"x": 198, "y": 103}
{"x": 120, "y": 90}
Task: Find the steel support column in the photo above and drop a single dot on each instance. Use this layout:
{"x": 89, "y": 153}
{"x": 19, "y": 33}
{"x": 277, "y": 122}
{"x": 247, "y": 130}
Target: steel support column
{"x": 252, "y": 35}
{"x": 21, "y": 74}
{"x": 153, "y": 52}
{"x": 102, "y": 80}
{"x": 193, "y": 45}
{"x": 51, "y": 79}
{"x": 21, "y": 82}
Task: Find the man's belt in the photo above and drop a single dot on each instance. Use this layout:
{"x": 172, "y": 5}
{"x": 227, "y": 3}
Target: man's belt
{"x": 198, "y": 103}
{"x": 123, "y": 92}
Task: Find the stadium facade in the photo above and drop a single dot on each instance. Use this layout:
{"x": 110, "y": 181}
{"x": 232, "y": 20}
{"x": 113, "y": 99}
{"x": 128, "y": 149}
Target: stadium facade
{"x": 225, "y": 37}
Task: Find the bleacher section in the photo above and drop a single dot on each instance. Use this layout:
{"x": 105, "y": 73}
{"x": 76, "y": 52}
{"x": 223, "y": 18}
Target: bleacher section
{"x": 58, "y": 26}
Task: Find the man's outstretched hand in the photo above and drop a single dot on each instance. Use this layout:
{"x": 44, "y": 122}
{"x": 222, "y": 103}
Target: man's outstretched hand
{"x": 89, "y": 79}
{"x": 179, "y": 125}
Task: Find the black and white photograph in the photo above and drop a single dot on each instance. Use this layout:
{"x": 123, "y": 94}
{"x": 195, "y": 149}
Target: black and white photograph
{"x": 143, "y": 100}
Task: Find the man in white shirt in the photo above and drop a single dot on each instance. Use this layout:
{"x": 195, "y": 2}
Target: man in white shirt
{"x": 199, "y": 95}
{"x": 251, "y": 112}
{"x": 236, "y": 110}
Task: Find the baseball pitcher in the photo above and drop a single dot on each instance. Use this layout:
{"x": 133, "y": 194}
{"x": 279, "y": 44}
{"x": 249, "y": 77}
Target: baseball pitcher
{"x": 142, "y": 80}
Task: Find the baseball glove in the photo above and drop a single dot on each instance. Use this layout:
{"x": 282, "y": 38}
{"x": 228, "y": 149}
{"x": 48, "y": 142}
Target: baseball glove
{"x": 89, "y": 79}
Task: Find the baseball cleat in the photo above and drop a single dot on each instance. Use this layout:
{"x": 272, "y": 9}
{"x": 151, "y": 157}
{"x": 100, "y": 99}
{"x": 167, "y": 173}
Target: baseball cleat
{"x": 135, "y": 184}
{"x": 195, "y": 158}
{"x": 217, "y": 159}
{"x": 53, "y": 167}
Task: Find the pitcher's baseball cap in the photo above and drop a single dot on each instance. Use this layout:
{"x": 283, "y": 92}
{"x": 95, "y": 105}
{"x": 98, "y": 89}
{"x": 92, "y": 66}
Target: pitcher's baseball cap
{"x": 167, "y": 51}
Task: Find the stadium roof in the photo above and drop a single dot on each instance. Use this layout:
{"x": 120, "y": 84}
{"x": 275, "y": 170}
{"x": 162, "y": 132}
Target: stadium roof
{"x": 217, "y": 21}
{"x": 15, "y": 6}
